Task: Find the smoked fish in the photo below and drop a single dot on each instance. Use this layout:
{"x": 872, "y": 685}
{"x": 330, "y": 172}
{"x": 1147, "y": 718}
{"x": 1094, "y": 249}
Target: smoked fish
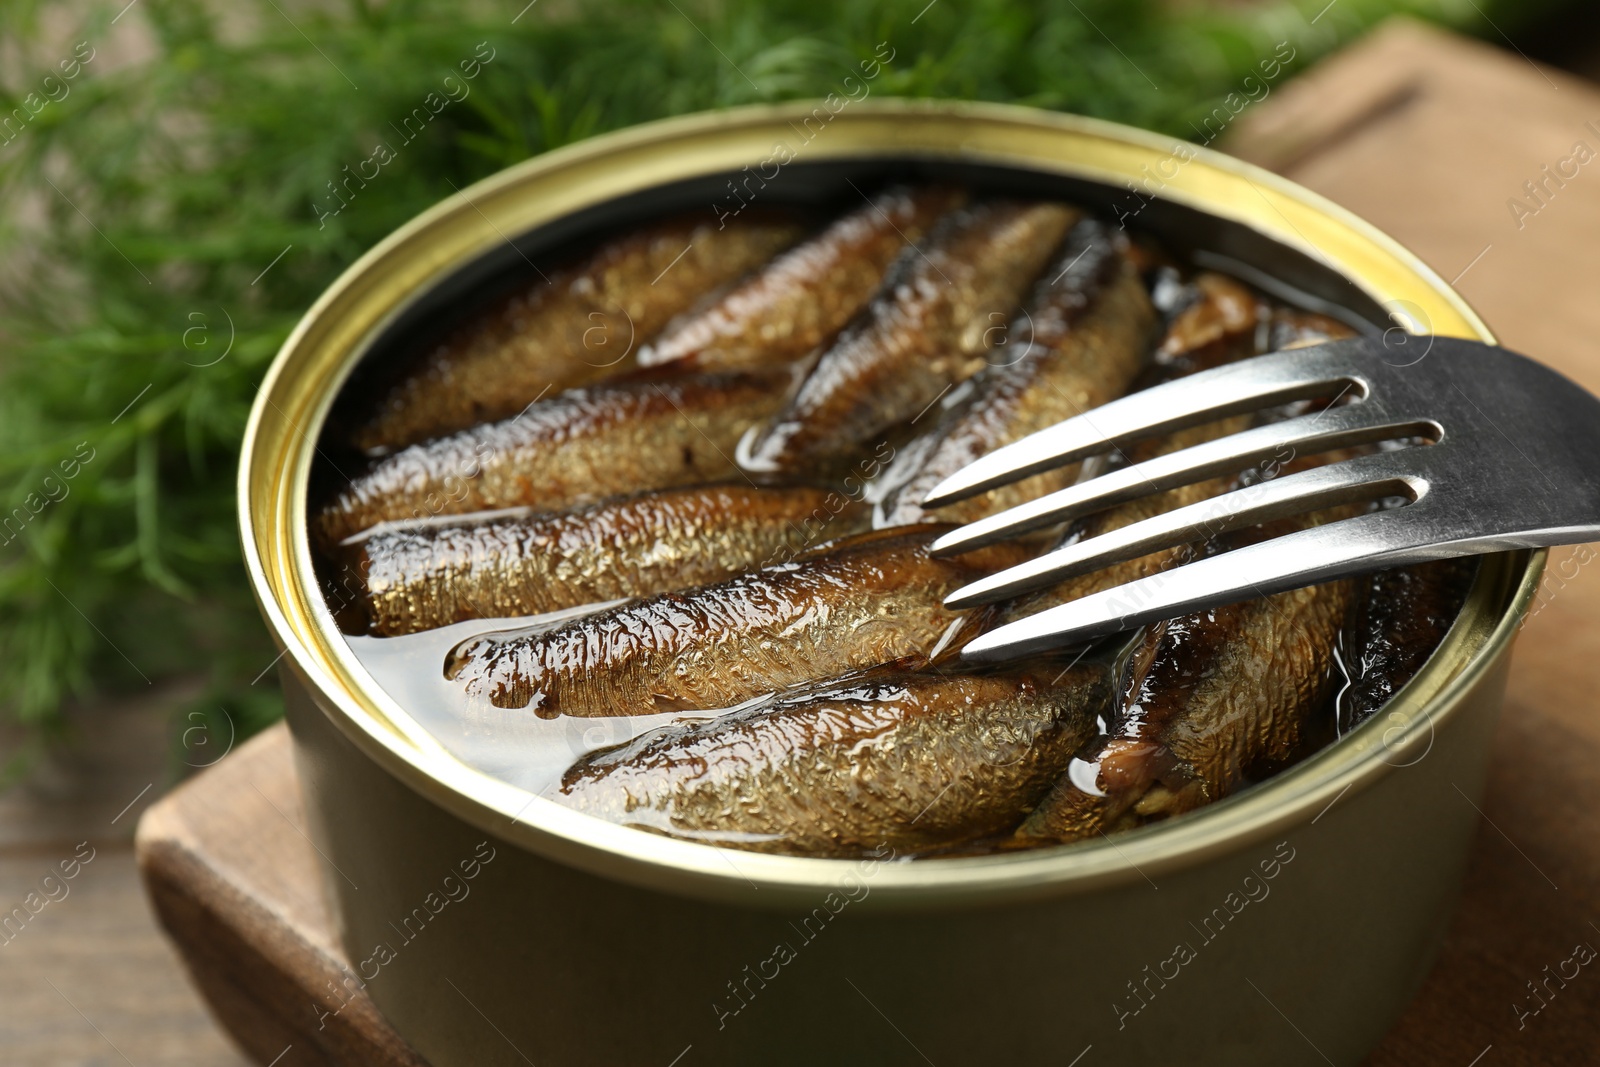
{"x": 1220, "y": 318}
{"x": 1210, "y": 699}
{"x": 869, "y": 600}
{"x": 1223, "y": 322}
{"x": 643, "y": 432}
{"x": 429, "y": 575}
{"x": 1293, "y": 328}
{"x": 943, "y": 304}
{"x": 805, "y": 296}
{"x": 575, "y": 325}
{"x": 1406, "y": 613}
{"x": 916, "y": 761}
{"x": 1213, "y": 697}
{"x": 1085, "y": 336}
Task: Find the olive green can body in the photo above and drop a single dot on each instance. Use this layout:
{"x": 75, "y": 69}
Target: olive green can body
{"x": 1289, "y": 924}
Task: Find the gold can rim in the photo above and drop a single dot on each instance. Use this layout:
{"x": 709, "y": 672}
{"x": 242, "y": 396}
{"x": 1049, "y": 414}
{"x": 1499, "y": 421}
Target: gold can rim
{"x": 314, "y": 361}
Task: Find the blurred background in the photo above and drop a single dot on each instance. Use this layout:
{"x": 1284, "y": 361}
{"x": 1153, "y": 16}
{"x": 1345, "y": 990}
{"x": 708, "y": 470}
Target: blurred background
{"x": 167, "y": 173}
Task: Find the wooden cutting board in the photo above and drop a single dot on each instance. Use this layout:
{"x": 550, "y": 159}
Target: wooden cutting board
{"x": 1431, "y": 138}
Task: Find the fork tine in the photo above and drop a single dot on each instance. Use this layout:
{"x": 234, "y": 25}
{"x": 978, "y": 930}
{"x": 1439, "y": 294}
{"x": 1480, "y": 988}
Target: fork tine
{"x": 1308, "y": 435}
{"x": 1305, "y": 557}
{"x": 1235, "y": 388}
{"x": 1364, "y": 477}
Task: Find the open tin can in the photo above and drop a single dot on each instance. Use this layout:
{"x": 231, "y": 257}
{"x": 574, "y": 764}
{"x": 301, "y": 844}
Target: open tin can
{"x": 1288, "y": 924}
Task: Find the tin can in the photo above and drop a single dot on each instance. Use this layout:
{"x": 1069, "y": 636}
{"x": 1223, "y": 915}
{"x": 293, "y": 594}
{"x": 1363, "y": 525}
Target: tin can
{"x": 1288, "y": 924}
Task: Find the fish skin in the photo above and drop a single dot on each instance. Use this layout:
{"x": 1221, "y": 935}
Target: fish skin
{"x": 806, "y": 295}
{"x": 1211, "y": 696}
{"x": 1188, "y": 732}
{"x": 1236, "y": 340}
{"x": 1406, "y": 613}
{"x": 913, "y": 761}
{"x": 1088, "y": 332}
{"x": 542, "y": 337}
{"x": 1207, "y": 331}
{"x": 426, "y": 576}
{"x": 872, "y": 599}
{"x": 1221, "y": 325}
{"x": 941, "y": 306}
{"x": 644, "y": 432}
{"x": 1293, "y": 328}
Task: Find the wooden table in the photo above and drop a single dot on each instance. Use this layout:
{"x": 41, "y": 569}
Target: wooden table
{"x": 1427, "y": 136}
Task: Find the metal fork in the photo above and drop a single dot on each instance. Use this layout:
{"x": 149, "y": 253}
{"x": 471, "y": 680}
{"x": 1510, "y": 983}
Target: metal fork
{"x": 1514, "y": 463}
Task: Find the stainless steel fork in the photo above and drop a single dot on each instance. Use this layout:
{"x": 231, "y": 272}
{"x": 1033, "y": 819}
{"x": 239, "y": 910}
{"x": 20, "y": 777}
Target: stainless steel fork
{"x": 1514, "y": 462}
